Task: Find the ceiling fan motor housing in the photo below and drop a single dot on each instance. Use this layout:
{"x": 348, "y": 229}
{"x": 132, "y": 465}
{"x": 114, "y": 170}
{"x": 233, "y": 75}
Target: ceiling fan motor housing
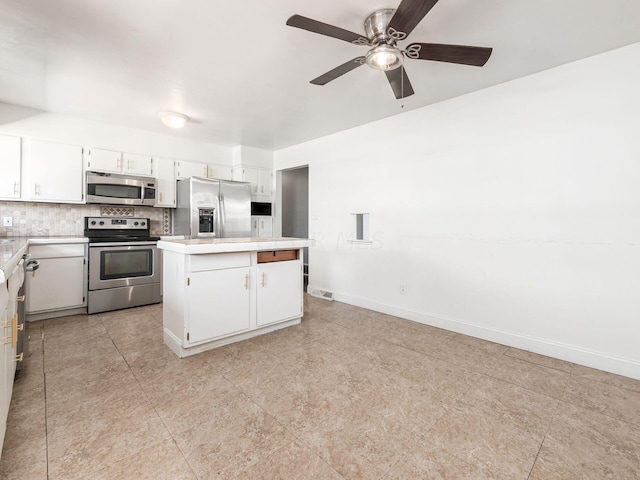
{"x": 375, "y": 26}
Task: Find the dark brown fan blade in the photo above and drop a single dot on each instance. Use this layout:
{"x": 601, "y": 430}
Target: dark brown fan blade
{"x": 439, "y": 52}
{"x": 314, "y": 26}
{"x": 399, "y": 82}
{"x": 408, "y": 15}
{"x": 338, "y": 71}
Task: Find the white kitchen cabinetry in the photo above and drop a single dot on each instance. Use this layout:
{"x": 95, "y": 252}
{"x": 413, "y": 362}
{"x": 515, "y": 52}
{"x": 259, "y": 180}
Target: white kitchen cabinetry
{"x": 261, "y": 226}
{"x": 261, "y": 179}
{"x": 191, "y": 169}
{"x": 99, "y": 160}
{"x": 10, "y": 161}
{"x": 219, "y": 293}
{"x": 9, "y": 329}
{"x": 166, "y": 182}
{"x": 60, "y": 283}
{"x": 218, "y": 302}
{"x": 279, "y": 292}
{"x": 222, "y": 172}
{"x": 5, "y": 353}
{"x": 54, "y": 172}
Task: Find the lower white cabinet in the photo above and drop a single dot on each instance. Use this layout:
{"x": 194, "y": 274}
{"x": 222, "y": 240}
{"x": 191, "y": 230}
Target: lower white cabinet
{"x": 8, "y": 328}
{"x": 218, "y": 303}
{"x": 60, "y": 282}
{"x": 212, "y": 299}
{"x": 279, "y": 292}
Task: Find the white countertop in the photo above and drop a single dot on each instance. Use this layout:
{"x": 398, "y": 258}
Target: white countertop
{"x": 12, "y": 249}
{"x": 196, "y": 246}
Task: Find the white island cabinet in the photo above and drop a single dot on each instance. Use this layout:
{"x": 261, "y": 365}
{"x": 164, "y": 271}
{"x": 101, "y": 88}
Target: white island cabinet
{"x": 220, "y": 291}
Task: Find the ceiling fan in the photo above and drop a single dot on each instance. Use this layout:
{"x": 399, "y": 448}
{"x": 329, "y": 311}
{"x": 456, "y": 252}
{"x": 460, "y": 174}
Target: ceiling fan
{"x": 384, "y": 28}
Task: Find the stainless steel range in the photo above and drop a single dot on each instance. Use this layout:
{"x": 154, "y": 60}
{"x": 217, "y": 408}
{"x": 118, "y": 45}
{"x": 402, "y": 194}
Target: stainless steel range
{"x": 125, "y": 269}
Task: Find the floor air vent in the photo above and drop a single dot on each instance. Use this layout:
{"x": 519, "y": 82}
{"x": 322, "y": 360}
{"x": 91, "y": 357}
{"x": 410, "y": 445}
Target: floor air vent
{"x": 316, "y": 292}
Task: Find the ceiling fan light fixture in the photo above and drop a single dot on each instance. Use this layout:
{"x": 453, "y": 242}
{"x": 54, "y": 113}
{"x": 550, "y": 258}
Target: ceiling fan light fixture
{"x": 173, "y": 119}
{"x": 384, "y": 57}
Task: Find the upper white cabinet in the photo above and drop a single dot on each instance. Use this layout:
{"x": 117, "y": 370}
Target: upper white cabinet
{"x": 261, "y": 179}
{"x": 10, "y": 165}
{"x": 191, "y": 169}
{"x": 261, "y": 226}
{"x": 54, "y": 172}
{"x": 223, "y": 172}
{"x": 137, "y": 164}
{"x": 117, "y": 162}
{"x": 166, "y": 182}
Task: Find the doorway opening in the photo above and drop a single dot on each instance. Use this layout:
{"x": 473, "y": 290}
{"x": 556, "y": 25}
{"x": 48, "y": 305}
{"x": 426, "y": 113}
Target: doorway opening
{"x": 295, "y": 209}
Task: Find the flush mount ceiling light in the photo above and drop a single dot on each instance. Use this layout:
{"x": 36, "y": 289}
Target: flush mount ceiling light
{"x": 383, "y": 57}
{"x": 173, "y": 119}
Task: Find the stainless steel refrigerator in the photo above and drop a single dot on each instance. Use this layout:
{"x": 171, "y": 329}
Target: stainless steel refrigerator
{"x": 211, "y": 208}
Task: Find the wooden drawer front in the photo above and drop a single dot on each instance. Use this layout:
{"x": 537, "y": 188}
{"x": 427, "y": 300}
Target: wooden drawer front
{"x": 277, "y": 256}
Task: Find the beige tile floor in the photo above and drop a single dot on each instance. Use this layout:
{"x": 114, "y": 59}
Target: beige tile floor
{"x": 349, "y": 393}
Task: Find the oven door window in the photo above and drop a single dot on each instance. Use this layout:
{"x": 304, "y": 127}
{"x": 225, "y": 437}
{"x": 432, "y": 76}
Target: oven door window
{"x": 116, "y": 264}
{"x": 114, "y": 191}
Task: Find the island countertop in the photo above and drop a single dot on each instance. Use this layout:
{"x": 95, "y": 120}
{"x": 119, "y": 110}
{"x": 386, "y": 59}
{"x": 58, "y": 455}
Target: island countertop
{"x": 195, "y": 246}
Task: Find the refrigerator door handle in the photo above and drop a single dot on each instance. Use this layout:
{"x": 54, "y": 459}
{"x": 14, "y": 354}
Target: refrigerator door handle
{"x": 221, "y": 216}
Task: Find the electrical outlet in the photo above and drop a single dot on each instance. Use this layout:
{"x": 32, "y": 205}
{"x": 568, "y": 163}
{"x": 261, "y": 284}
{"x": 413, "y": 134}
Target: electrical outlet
{"x": 7, "y": 221}
{"x": 403, "y": 289}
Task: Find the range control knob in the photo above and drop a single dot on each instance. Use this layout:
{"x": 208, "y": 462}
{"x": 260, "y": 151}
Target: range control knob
{"x": 93, "y": 222}
{"x": 135, "y": 223}
{"x": 101, "y": 222}
{"x": 143, "y": 224}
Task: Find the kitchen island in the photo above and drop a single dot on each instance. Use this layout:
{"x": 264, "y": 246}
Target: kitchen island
{"x": 220, "y": 291}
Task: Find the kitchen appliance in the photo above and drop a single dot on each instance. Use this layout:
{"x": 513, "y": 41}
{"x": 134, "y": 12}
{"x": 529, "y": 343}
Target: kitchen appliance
{"x": 117, "y": 189}
{"x": 125, "y": 267}
{"x": 261, "y": 208}
{"x": 384, "y": 28}
{"x": 212, "y": 208}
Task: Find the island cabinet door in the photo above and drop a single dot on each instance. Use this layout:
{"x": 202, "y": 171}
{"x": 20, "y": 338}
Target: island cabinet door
{"x": 279, "y": 291}
{"x": 218, "y": 304}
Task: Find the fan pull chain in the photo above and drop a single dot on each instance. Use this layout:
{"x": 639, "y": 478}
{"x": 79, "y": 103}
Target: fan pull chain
{"x": 402, "y": 85}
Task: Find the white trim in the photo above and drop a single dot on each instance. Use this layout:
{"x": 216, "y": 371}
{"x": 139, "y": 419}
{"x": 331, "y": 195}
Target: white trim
{"x": 569, "y": 353}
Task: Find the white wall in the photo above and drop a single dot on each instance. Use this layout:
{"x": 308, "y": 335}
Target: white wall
{"x": 511, "y": 214}
{"x": 26, "y": 122}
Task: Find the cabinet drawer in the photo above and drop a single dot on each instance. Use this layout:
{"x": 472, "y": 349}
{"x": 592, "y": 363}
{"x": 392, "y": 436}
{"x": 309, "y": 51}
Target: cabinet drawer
{"x": 57, "y": 250}
{"x": 217, "y": 261}
{"x": 277, "y": 256}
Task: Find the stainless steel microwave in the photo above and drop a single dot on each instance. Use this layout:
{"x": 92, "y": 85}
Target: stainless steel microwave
{"x": 117, "y": 189}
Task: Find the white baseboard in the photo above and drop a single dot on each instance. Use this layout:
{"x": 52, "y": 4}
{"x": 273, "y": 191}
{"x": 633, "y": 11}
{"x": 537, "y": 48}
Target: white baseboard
{"x": 570, "y": 353}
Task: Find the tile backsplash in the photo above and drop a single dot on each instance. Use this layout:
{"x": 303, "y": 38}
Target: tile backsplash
{"x": 54, "y": 219}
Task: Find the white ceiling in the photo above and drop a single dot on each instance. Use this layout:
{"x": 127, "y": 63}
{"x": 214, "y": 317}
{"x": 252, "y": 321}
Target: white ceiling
{"x": 243, "y": 76}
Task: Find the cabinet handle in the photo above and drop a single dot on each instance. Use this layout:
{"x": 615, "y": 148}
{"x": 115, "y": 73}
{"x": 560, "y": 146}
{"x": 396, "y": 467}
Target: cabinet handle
{"x": 128, "y": 164}
{"x": 15, "y": 188}
{"x": 262, "y": 284}
{"x": 20, "y": 298}
{"x": 13, "y": 338}
{"x": 160, "y": 197}
{"x": 18, "y": 358}
{"x": 246, "y": 281}
{"x": 261, "y": 188}
{"x": 117, "y": 164}
{"x": 35, "y": 189}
